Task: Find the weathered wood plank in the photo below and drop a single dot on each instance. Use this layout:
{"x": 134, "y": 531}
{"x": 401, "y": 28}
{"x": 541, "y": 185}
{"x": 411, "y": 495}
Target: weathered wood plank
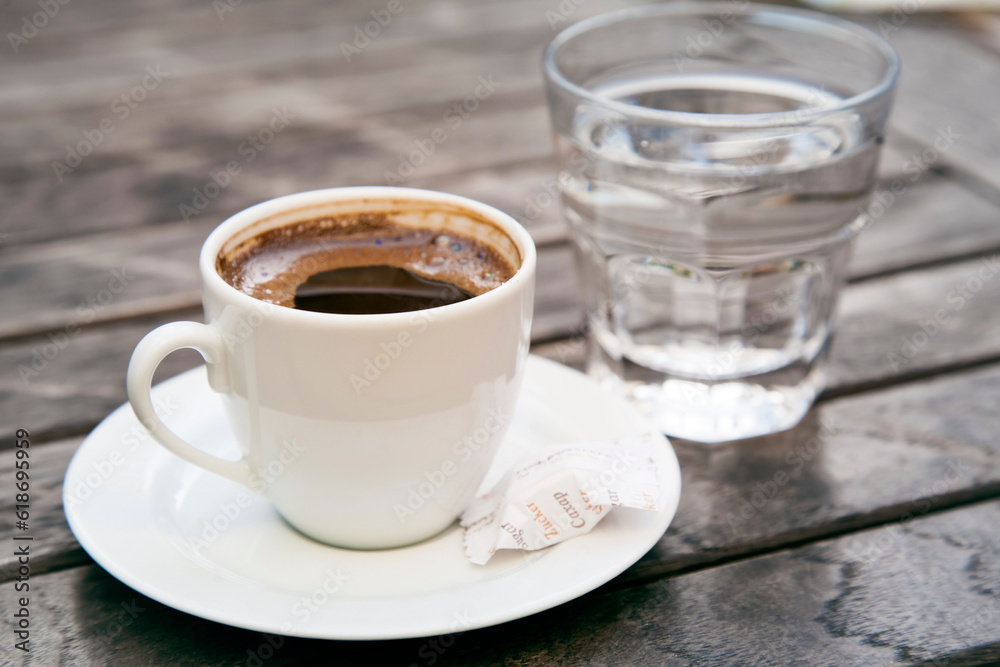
{"x": 853, "y": 462}
{"x": 272, "y": 42}
{"x": 937, "y": 217}
{"x": 196, "y": 139}
{"x": 115, "y": 191}
{"x": 74, "y": 375}
{"x": 925, "y": 445}
{"x": 71, "y": 283}
{"x": 321, "y": 102}
{"x": 895, "y": 595}
{"x": 162, "y": 115}
{"x": 152, "y": 271}
{"x": 53, "y": 545}
{"x": 164, "y": 159}
{"x": 949, "y": 81}
{"x": 921, "y": 592}
{"x": 928, "y": 221}
{"x": 905, "y": 324}
{"x": 882, "y": 338}
{"x": 299, "y": 34}
{"x": 53, "y": 391}
{"x": 145, "y": 169}
{"x": 127, "y": 191}
{"x": 93, "y": 15}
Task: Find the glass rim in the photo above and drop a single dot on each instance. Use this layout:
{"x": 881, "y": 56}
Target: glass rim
{"x": 709, "y": 120}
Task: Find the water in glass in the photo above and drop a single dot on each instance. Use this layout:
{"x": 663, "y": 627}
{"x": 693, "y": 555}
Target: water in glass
{"x": 712, "y": 260}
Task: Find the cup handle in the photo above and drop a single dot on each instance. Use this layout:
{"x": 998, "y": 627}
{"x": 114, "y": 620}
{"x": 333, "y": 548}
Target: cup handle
{"x": 148, "y": 354}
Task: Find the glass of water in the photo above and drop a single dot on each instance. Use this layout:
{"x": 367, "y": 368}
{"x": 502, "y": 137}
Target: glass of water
{"x": 716, "y": 160}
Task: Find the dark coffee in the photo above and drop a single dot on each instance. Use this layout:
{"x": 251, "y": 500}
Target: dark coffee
{"x": 363, "y": 290}
{"x": 362, "y": 264}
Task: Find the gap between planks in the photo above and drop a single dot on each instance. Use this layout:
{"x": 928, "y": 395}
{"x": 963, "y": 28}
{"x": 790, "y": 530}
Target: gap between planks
{"x": 887, "y": 516}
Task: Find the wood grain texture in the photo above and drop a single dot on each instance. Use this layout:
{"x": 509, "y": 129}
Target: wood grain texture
{"x": 113, "y": 191}
{"x": 53, "y": 545}
{"x": 894, "y": 595}
{"x": 949, "y": 81}
{"x": 905, "y": 593}
{"x": 221, "y": 90}
{"x": 881, "y": 338}
{"x": 906, "y": 324}
{"x": 852, "y": 463}
{"x": 150, "y": 187}
{"x": 64, "y": 381}
{"x": 81, "y": 383}
{"x": 866, "y": 535}
{"x": 103, "y": 278}
{"x": 932, "y": 220}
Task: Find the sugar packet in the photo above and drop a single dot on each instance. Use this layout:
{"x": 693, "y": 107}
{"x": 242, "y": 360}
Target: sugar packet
{"x": 560, "y": 492}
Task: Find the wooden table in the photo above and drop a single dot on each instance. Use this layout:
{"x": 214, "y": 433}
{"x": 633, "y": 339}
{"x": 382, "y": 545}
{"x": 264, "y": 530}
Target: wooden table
{"x": 882, "y": 546}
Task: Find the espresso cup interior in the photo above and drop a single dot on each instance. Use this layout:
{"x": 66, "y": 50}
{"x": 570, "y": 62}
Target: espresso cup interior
{"x": 438, "y": 216}
{"x": 370, "y": 255}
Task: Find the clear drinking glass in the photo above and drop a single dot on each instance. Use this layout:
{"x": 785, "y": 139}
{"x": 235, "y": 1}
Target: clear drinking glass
{"x": 716, "y": 160}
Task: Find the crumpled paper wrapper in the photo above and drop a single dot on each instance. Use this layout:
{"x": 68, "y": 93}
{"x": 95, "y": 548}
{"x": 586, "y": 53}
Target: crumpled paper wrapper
{"x": 561, "y": 492}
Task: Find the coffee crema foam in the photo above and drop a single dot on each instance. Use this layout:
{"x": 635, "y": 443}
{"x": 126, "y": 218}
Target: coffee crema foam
{"x": 273, "y": 264}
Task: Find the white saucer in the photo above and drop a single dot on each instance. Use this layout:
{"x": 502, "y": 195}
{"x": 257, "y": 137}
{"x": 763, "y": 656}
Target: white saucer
{"x": 136, "y": 507}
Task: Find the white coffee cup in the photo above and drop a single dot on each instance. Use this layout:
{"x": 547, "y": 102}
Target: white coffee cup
{"x": 380, "y": 427}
